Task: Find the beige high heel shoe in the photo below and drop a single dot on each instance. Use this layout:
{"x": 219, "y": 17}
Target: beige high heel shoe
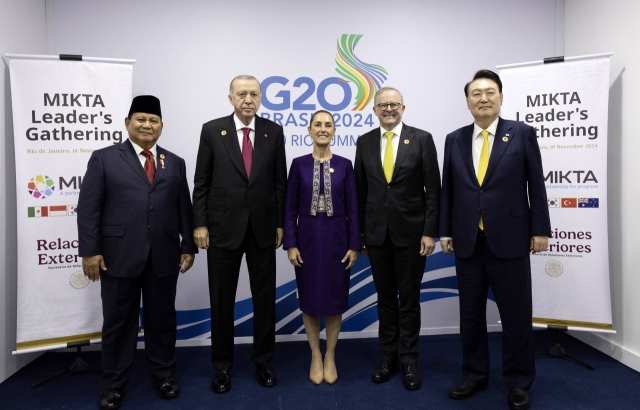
{"x": 330, "y": 372}
{"x": 316, "y": 372}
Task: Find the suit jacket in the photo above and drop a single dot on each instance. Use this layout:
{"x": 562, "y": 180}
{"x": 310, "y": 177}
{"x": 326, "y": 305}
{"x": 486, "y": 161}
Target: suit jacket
{"x": 512, "y": 199}
{"x": 224, "y": 199}
{"x": 408, "y": 205}
{"x": 123, "y": 217}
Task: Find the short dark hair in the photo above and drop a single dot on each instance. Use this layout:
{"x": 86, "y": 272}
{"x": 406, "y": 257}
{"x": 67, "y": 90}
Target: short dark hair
{"x": 489, "y": 75}
{"x": 322, "y": 111}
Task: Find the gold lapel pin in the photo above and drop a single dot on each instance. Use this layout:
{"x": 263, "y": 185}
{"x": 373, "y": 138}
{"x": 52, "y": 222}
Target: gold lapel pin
{"x": 330, "y": 169}
{"x": 406, "y": 142}
{"x": 224, "y": 132}
{"x": 265, "y": 135}
{"x": 161, "y": 156}
{"x": 505, "y": 138}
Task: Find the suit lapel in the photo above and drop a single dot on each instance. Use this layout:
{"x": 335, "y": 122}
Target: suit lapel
{"x": 260, "y": 141}
{"x": 160, "y": 170}
{"x": 466, "y": 149}
{"x": 376, "y": 154}
{"x": 129, "y": 155}
{"x": 499, "y": 147}
{"x": 229, "y": 137}
{"x": 403, "y": 147}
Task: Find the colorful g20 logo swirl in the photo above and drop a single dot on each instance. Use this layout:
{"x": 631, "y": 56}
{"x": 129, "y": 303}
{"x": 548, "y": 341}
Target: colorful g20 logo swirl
{"x": 41, "y": 186}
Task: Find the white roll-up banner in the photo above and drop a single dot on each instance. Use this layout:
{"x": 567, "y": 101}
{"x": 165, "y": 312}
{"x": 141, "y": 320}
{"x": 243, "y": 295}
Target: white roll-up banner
{"x": 567, "y": 102}
{"x": 62, "y": 111}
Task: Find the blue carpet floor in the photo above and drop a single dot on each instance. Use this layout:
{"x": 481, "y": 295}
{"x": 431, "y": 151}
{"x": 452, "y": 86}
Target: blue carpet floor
{"x": 560, "y": 384}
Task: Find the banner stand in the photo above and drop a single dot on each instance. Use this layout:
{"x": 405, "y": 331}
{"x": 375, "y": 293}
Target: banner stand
{"x": 78, "y": 365}
{"x": 558, "y": 350}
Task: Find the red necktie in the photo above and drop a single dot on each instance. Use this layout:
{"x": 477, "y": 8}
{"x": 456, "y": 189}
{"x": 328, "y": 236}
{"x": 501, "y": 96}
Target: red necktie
{"x": 247, "y": 151}
{"x": 149, "y": 165}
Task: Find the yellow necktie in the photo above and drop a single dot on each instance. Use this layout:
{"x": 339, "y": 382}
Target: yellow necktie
{"x": 483, "y": 164}
{"x": 387, "y": 164}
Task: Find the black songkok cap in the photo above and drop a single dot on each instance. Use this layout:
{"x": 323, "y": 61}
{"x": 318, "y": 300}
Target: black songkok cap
{"x": 147, "y": 104}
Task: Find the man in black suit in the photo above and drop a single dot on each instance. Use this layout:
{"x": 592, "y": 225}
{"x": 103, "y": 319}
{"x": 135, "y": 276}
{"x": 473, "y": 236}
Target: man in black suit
{"x": 398, "y": 197}
{"x": 133, "y": 208}
{"x": 494, "y": 209}
{"x": 238, "y": 196}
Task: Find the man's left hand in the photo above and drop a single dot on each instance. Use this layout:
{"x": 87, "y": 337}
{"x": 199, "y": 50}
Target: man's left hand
{"x": 539, "y": 243}
{"x": 279, "y": 235}
{"x": 427, "y": 245}
{"x": 186, "y": 261}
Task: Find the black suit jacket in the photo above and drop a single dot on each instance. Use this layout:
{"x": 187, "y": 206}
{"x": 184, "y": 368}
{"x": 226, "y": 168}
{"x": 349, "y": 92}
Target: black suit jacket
{"x": 224, "y": 199}
{"x": 123, "y": 217}
{"x": 408, "y": 205}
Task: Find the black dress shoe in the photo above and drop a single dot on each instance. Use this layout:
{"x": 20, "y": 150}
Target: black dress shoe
{"x": 221, "y": 382}
{"x": 111, "y": 399}
{"x": 519, "y": 399}
{"x": 266, "y": 376}
{"x": 411, "y": 379}
{"x": 168, "y": 387}
{"x": 466, "y": 389}
{"x": 384, "y": 371}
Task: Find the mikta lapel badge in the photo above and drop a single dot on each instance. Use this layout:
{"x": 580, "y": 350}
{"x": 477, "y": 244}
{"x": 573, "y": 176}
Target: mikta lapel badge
{"x": 265, "y": 135}
{"x": 406, "y": 142}
{"x": 162, "y": 156}
{"x": 224, "y": 132}
{"x": 505, "y": 138}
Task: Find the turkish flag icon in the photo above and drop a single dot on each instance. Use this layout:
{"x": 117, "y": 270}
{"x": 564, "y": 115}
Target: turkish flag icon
{"x": 569, "y": 202}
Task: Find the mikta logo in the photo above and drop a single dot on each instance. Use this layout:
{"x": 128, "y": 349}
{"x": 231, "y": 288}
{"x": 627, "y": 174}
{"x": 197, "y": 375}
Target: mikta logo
{"x": 41, "y": 186}
{"x": 333, "y": 94}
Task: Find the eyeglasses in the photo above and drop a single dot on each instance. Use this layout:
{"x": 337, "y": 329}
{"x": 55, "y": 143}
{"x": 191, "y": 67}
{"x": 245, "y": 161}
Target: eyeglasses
{"x": 383, "y": 106}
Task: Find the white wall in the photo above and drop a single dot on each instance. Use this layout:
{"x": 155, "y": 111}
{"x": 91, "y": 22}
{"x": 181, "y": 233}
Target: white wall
{"x": 591, "y": 27}
{"x": 22, "y": 31}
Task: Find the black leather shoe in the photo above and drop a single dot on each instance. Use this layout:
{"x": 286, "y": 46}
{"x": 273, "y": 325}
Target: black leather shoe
{"x": 384, "y": 371}
{"x": 266, "y": 376}
{"x": 221, "y": 382}
{"x": 466, "y": 389}
{"x": 519, "y": 399}
{"x": 411, "y": 379}
{"x": 168, "y": 387}
{"x": 111, "y": 399}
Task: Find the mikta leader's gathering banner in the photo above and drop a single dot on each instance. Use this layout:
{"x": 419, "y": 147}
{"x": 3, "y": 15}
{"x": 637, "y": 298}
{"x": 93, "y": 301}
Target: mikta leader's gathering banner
{"x": 567, "y": 103}
{"x": 62, "y": 111}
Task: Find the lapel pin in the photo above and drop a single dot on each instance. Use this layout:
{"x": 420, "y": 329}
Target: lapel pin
{"x": 505, "y": 138}
{"x": 161, "y": 156}
{"x": 330, "y": 169}
{"x": 162, "y": 161}
{"x": 406, "y": 142}
{"x": 265, "y": 135}
{"x": 224, "y": 132}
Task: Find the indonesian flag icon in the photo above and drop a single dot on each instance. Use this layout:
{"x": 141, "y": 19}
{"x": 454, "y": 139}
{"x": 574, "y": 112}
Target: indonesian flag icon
{"x": 58, "y": 210}
{"x": 569, "y": 202}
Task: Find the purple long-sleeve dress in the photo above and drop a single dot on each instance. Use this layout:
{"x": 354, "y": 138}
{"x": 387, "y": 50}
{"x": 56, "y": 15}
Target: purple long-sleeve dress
{"x": 321, "y": 220}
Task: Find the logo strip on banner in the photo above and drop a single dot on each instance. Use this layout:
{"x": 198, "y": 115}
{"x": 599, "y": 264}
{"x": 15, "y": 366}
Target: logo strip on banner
{"x": 63, "y": 110}
{"x": 567, "y": 104}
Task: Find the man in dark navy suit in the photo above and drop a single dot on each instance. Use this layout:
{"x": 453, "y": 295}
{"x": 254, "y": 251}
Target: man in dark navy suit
{"x": 133, "y": 210}
{"x": 493, "y": 212}
{"x": 238, "y": 206}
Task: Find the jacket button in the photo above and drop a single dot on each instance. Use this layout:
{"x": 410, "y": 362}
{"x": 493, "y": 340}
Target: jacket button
{"x": 149, "y": 226}
{"x": 481, "y": 191}
{"x": 151, "y": 208}
{"x": 388, "y": 187}
{"x": 478, "y": 210}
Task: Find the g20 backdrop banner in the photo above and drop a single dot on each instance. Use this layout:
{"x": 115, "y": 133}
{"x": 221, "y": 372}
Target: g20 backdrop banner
{"x": 308, "y": 57}
{"x": 567, "y": 102}
{"x": 62, "y": 111}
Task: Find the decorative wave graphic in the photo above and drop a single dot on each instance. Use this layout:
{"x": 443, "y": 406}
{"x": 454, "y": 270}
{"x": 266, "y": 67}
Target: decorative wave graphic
{"x": 196, "y": 324}
{"x": 368, "y": 78}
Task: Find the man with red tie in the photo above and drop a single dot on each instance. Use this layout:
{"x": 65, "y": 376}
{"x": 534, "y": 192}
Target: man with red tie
{"x": 238, "y": 198}
{"x": 133, "y": 210}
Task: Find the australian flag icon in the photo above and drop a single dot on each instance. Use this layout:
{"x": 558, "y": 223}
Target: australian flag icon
{"x": 588, "y": 203}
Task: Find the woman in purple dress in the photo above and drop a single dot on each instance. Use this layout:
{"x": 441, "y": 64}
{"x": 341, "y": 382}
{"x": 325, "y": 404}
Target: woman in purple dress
{"x": 321, "y": 228}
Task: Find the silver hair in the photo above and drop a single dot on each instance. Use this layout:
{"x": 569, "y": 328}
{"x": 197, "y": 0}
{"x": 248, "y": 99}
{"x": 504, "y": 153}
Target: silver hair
{"x": 383, "y": 89}
{"x": 241, "y": 77}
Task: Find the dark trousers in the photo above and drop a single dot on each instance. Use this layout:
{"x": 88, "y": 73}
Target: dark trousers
{"x": 121, "y": 310}
{"x": 397, "y": 274}
{"x": 510, "y": 281}
{"x": 224, "y": 269}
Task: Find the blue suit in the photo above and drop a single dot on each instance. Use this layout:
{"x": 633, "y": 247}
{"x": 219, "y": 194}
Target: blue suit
{"x": 137, "y": 227}
{"x": 512, "y": 201}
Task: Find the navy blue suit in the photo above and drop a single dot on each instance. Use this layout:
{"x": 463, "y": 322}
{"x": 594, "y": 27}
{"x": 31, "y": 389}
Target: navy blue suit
{"x": 513, "y": 204}
{"x": 137, "y": 227}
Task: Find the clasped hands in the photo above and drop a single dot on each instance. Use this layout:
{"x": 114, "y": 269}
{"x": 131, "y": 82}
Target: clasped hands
{"x": 536, "y": 244}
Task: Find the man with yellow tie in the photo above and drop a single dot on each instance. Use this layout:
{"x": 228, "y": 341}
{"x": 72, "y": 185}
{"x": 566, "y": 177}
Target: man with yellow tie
{"x": 398, "y": 182}
{"x": 493, "y": 212}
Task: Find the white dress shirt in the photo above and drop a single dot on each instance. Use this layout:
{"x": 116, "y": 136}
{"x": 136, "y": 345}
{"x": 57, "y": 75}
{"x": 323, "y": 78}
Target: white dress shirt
{"x": 141, "y": 157}
{"x": 394, "y": 142}
{"x": 240, "y": 125}
{"x": 478, "y": 140}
